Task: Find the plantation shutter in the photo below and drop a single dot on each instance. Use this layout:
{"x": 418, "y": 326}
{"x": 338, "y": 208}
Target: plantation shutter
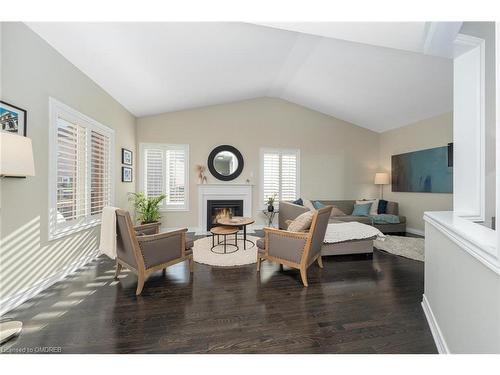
{"x": 153, "y": 172}
{"x": 176, "y": 168}
{"x": 71, "y": 171}
{"x": 280, "y": 177}
{"x": 80, "y": 170}
{"x": 288, "y": 177}
{"x": 100, "y": 172}
{"x": 165, "y": 172}
{"x": 271, "y": 162}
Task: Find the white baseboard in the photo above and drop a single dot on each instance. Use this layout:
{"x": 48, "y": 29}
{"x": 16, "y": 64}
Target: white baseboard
{"x": 436, "y": 332}
{"x": 11, "y": 302}
{"x": 415, "y": 231}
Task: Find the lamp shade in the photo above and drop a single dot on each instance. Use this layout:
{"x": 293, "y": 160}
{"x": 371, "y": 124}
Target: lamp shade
{"x": 381, "y": 178}
{"x": 16, "y": 155}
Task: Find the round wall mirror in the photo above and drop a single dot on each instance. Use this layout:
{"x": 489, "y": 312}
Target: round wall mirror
{"x": 225, "y": 163}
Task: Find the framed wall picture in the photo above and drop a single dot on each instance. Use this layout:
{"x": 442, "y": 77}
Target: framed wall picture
{"x": 126, "y": 174}
{"x": 424, "y": 171}
{"x": 126, "y": 156}
{"x": 12, "y": 119}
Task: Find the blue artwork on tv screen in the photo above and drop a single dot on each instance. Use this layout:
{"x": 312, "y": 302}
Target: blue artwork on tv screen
{"x": 425, "y": 171}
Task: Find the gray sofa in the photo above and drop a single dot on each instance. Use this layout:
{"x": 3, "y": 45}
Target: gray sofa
{"x": 289, "y": 211}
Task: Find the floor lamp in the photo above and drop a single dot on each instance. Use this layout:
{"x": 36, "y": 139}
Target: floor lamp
{"x": 16, "y": 161}
{"x": 381, "y": 179}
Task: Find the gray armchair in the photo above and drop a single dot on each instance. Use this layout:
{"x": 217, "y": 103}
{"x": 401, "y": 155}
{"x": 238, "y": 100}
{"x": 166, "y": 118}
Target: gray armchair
{"x": 143, "y": 250}
{"x": 295, "y": 249}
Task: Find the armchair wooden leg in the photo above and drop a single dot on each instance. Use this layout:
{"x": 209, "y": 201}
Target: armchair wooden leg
{"x": 118, "y": 269}
{"x": 320, "y": 261}
{"x": 258, "y": 262}
{"x": 191, "y": 264}
{"x": 303, "y": 275}
{"x": 140, "y": 283}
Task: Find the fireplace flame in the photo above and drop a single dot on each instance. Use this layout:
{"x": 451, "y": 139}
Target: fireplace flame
{"x": 223, "y": 213}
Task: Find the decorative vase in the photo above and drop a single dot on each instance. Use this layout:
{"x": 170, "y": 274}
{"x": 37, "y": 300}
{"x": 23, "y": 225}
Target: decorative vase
{"x": 270, "y": 208}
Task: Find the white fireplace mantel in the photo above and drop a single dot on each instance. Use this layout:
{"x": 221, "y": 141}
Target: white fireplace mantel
{"x": 222, "y": 191}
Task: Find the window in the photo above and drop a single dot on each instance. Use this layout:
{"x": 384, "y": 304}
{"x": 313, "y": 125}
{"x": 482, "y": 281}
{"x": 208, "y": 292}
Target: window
{"x": 81, "y": 182}
{"x": 165, "y": 170}
{"x": 280, "y": 174}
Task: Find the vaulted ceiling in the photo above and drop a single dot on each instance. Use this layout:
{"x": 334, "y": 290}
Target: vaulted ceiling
{"x": 379, "y": 80}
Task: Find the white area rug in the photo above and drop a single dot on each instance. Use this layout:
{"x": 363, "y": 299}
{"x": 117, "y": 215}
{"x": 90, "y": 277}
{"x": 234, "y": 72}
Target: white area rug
{"x": 202, "y": 253}
{"x": 408, "y": 247}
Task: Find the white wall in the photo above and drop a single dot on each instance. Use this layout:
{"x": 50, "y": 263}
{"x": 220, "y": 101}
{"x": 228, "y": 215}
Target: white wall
{"x": 31, "y": 72}
{"x": 462, "y": 268}
{"x": 463, "y": 295}
{"x": 338, "y": 159}
{"x": 434, "y": 132}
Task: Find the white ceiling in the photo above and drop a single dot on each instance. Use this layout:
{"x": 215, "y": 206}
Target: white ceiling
{"x": 152, "y": 68}
{"x": 409, "y": 36}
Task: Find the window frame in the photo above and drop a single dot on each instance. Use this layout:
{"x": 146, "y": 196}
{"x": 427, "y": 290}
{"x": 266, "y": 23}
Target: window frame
{"x": 279, "y": 151}
{"x": 58, "y": 109}
{"x": 142, "y": 167}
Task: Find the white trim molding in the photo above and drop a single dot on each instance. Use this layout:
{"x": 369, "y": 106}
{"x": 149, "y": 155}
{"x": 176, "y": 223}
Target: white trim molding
{"x": 439, "y": 340}
{"x": 469, "y": 176}
{"x": 497, "y": 129}
{"x": 476, "y": 240}
{"x": 415, "y": 231}
{"x": 222, "y": 191}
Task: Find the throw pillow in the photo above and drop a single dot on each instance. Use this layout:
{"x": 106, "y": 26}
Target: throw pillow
{"x": 317, "y": 205}
{"x": 337, "y": 212}
{"x": 361, "y": 209}
{"x": 373, "y": 207}
{"x": 299, "y": 202}
{"x": 382, "y": 206}
{"x": 308, "y": 204}
{"x": 301, "y": 222}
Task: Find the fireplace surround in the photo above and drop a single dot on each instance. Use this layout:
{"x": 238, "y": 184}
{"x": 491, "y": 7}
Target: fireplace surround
{"x": 222, "y": 191}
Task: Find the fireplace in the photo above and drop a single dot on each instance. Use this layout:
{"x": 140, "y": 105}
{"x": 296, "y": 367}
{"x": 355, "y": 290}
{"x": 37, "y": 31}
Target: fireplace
{"x": 222, "y": 208}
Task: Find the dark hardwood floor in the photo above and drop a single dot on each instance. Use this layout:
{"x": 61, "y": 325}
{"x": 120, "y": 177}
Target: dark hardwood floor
{"x": 354, "y": 305}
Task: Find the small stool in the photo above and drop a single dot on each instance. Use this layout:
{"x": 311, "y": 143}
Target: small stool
{"x": 224, "y": 231}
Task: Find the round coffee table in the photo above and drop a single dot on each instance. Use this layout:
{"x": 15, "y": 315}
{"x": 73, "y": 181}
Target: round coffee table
{"x": 224, "y": 231}
{"x": 237, "y": 222}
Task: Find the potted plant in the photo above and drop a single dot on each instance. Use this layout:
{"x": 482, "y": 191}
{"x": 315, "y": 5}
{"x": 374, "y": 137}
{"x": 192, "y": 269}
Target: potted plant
{"x": 270, "y": 203}
{"x": 147, "y": 209}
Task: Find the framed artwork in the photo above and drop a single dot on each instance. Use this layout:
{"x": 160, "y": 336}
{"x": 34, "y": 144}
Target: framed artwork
{"x": 424, "y": 171}
{"x": 126, "y": 156}
{"x": 126, "y": 174}
{"x": 12, "y": 119}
